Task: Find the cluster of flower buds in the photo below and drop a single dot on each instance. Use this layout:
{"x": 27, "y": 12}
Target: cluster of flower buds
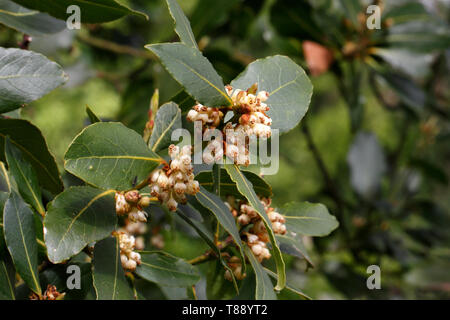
{"x": 210, "y": 117}
{"x": 128, "y": 257}
{"x": 137, "y": 229}
{"x": 250, "y": 105}
{"x": 235, "y": 265}
{"x": 257, "y": 236}
{"x": 132, "y": 203}
{"x": 236, "y": 147}
{"x": 171, "y": 183}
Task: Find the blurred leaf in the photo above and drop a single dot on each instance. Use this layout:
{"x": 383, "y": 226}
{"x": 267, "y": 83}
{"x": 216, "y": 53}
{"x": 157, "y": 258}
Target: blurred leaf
{"x": 367, "y": 164}
{"x": 430, "y": 169}
{"x": 193, "y": 71}
{"x": 201, "y": 17}
{"x": 264, "y": 287}
{"x": 77, "y": 217}
{"x": 92, "y": 11}
{"x": 288, "y": 287}
{"x": 168, "y": 119}
{"x": 245, "y": 187}
{"x": 167, "y": 270}
{"x": 409, "y": 62}
{"x": 30, "y": 141}
{"x": 108, "y": 276}
{"x": 20, "y": 236}
{"x": 292, "y": 244}
{"x": 92, "y": 116}
{"x": 288, "y": 85}
{"x": 351, "y": 9}
{"x": 26, "y": 76}
{"x": 25, "y": 177}
{"x": 27, "y": 21}
{"x": 182, "y": 25}
{"x": 217, "y": 287}
{"x": 228, "y": 186}
{"x": 108, "y": 155}
{"x": 410, "y": 11}
{"x": 310, "y": 219}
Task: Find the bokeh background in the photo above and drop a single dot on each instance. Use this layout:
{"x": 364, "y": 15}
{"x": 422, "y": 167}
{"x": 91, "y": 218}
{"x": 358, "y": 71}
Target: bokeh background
{"x": 374, "y": 146}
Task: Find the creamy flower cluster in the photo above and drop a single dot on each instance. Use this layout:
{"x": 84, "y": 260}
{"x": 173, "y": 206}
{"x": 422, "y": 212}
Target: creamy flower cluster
{"x": 257, "y": 236}
{"x": 235, "y": 265}
{"x": 251, "y": 106}
{"x": 171, "y": 183}
{"x": 128, "y": 257}
{"x": 136, "y": 229}
{"x": 132, "y": 203}
{"x": 210, "y": 117}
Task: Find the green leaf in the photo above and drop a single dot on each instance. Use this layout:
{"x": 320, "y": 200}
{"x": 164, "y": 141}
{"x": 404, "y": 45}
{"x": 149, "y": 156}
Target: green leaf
{"x": 182, "y": 25}
{"x": 92, "y": 116}
{"x": 288, "y": 85}
{"x": 228, "y": 186}
{"x": 184, "y": 101}
{"x": 25, "y": 177}
{"x": 168, "y": 119}
{"x": 311, "y": 219}
{"x": 193, "y": 71}
{"x": 351, "y": 9}
{"x": 31, "y": 143}
{"x": 205, "y": 234}
{"x": 76, "y": 217}
{"x": 7, "y": 278}
{"x": 108, "y": 276}
{"x": 20, "y": 237}
{"x": 3, "y": 198}
{"x": 264, "y": 287}
{"x": 411, "y": 11}
{"x": 214, "y": 204}
{"x": 33, "y": 23}
{"x": 292, "y": 244}
{"x": 108, "y": 155}
{"x": 26, "y": 76}
{"x": 167, "y": 270}
{"x": 288, "y": 287}
{"x": 92, "y": 11}
{"x": 246, "y": 189}
{"x": 5, "y": 181}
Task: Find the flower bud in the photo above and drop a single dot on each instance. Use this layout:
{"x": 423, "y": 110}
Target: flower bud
{"x": 144, "y": 202}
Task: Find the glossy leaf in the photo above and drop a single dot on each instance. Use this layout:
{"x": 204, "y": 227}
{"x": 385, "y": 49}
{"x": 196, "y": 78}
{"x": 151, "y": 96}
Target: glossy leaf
{"x": 25, "y": 177}
{"x": 228, "y": 186}
{"x": 193, "y": 71}
{"x": 184, "y": 101}
{"x": 182, "y": 24}
{"x": 76, "y": 217}
{"x": 92, "y": 11}
{"x": 26, "y": 76}
{"x": 20, "y": 236}
{"x": 168, "y": 119}
{"x": 311, "y": 219}
{"x": 245, "y": 187}
{"x": 108, "y": 155}
{"x": 288, "y": 85}
{"x": 108, "y": 275}
{"x": 167, "y": 270}
{"x": 264, "y": 287}
{"x": 214, "y": 204}
{"x": 33, "y": 23}
{"x": 26, "y": 137}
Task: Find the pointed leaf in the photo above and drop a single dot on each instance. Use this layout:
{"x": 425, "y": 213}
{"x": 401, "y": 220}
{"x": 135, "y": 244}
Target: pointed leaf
{"x": 246, "y": 189}
{"x": 20, "y": 236}
{"x": 25, "y": 177}
{"x": 182, "y": 25}
{"x": 214, "y": 204}
{"x": 168, "y": 119}
{"x": 264, "y": 287}
{"x": 33, "y": 23}
{"x": 108, "y": 275}
{"x": 92, "y": 11}
{"x": 167, "y": 270}
{"x": 31, "y": 143}
{"x": 292, "y": 244}
{"x": 108, "y": 155}
{"x": 193, "y": 71}
{"x": 288, "y": 85}
{"x": 26, "y": 76}
{"x": 76, "y": 217}
{"x": 92, "y": 116}
{"x": 311, "y": 219}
